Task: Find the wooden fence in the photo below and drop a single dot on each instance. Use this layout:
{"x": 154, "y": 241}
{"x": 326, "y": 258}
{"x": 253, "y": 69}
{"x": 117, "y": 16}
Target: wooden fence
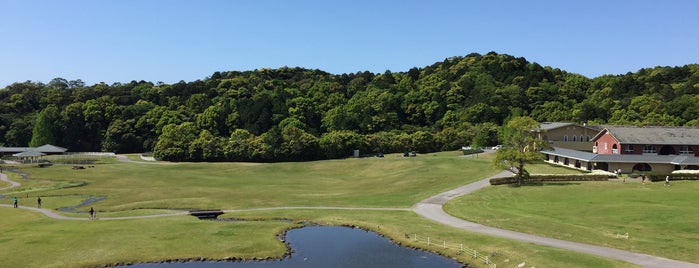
{"x": 460, "y": 249}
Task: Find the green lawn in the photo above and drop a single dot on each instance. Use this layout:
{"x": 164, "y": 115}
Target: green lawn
{"x": 44, "y": 242}
{"x": 143, "y": 189}
{"x": 367, "y": 182}
{"x": 659, "y": 220}
{"x": 29, "y": 239}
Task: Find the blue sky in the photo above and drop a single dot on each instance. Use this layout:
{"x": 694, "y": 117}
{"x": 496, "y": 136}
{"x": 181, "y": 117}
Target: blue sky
{"x": 171, "y": 40}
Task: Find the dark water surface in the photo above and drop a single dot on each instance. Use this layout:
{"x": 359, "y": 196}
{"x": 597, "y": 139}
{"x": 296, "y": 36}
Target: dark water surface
{"x": 331, "y": 246}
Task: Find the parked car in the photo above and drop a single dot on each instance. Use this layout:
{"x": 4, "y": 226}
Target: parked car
{"x": 497, "y": 147}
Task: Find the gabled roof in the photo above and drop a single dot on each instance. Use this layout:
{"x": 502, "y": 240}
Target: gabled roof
{"x": 48, "y": 148}
{"x": 13, "y": 149}
{"x": 554, "y": 125}
{"x": 653, "y": 135}
{"x": 28, "y": 154}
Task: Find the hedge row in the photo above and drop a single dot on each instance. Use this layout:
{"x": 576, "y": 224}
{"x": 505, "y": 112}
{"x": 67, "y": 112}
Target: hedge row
{"x": 543, "y": 178}
{"x": 674, "y": 177}
{"x": 472, "y": 151}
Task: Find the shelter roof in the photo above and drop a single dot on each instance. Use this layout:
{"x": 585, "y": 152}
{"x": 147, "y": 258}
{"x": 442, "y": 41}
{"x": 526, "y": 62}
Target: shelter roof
{"x": 48, "y": 148}
{"x": 624, "y": 158}
{"x": 29, "y": 154}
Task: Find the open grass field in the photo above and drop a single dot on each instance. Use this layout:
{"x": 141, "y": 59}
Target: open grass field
{"x": 659, "y": 220}
{"x": 29, "y": 239}
{"x": 366, "y": 182}
{"x": 32, "y": 240}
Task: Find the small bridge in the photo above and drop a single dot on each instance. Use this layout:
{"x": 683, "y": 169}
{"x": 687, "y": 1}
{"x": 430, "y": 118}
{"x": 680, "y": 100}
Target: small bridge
{"x": 205, "y": 214}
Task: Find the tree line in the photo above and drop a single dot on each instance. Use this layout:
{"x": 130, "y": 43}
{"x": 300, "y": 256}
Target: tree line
{"x": 297, "y": 114}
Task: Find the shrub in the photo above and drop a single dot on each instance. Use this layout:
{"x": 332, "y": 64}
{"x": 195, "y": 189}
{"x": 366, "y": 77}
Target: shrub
{"x": 674, "y": 177}
{"x": 554, "y": 178}
{"x": 472, "y": 151}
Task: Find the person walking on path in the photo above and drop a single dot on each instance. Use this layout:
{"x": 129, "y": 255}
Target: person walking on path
{"x": 667, "y": 180}
{"x": 92, "y": 213}
{"x": 14, "y": 199}
{"x": 38, "y": 202}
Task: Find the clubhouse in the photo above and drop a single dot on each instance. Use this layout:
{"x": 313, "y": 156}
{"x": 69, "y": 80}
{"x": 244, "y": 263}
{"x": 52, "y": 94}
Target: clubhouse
{"x": 629, "y": 149}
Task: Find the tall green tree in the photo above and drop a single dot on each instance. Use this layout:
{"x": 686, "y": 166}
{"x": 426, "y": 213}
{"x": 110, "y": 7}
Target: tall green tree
{"x": 521, "y": 146}
{"x": 174, "y": 143}
{"x": 45, "y": 127}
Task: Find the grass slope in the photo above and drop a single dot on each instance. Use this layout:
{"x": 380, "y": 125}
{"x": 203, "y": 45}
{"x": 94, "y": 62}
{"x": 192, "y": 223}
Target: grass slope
{"x": 368, "y": 182}
{"x": 142, "y": 189}
{"x": 659, "y": 220}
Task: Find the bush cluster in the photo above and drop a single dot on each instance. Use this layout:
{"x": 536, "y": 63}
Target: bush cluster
{"x": 673, "y": 177}
{"x": 553, "y": 178}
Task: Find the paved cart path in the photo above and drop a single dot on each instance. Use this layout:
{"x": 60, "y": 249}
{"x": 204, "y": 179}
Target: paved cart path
{"x": 431, "y": 208}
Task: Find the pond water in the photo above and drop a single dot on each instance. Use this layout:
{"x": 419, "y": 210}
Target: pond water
{"x": 331, "y": 246}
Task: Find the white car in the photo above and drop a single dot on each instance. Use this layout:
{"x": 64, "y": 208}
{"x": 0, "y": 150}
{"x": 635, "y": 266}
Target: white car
{"x": 497, "y": 147}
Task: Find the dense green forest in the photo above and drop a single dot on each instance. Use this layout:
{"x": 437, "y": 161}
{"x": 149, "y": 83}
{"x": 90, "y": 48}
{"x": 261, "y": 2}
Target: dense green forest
{"x": 296, "y": 114}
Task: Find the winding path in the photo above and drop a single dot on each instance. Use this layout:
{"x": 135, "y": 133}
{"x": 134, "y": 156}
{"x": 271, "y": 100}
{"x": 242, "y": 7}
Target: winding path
{"x": 4, "y": 178}
{"x": 431, "y": 208}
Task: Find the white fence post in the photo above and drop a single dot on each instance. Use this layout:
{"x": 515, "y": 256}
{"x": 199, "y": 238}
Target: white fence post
{"x": 485, "y": 257}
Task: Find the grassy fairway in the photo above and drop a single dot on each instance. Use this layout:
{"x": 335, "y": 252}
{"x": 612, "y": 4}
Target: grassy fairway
{"x": 31, "y": 240}
{"x": 659, "y": 220}
{"x": 368, "y": 182}
{"x": 140, "y": 189}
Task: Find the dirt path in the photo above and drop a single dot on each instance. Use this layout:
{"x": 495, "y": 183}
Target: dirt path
{"x": 4, "y": 178}
{"x": 431, "y": 208}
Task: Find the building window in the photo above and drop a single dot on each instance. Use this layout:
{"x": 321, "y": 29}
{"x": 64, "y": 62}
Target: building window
{"x": 628, "y": 148}
{"x": 574, "y": 138}
{"x": 649, "y": 149}
{"x": 565, "y": 137}
{"x": 685, "y": 149}
{"x": 588, "y": 138}
{"x": 581, "y": 138}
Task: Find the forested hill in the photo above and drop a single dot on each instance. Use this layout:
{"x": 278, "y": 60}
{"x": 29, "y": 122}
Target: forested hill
{"x": 290, "y": 114}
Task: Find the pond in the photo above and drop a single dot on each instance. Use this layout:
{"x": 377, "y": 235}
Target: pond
{"x": 332, "y": 246}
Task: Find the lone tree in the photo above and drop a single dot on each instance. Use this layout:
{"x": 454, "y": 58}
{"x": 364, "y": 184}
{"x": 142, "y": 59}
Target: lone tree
{"x": 522, "y": 146}
{"x": 44, "y": 131}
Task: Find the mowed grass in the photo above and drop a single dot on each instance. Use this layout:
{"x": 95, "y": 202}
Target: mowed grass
{"x": 366, "y": 182}
{"x": 29, "y": 239}
{"x": 142, "y": 189}
{"x": 659, "y": 220}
